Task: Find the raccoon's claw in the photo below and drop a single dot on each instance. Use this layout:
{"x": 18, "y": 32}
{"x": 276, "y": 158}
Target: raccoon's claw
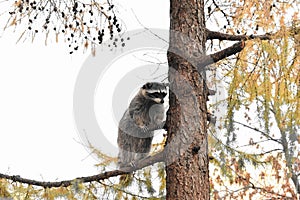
{"x": 132, "y": 164}
{"x": 145, "y": 129}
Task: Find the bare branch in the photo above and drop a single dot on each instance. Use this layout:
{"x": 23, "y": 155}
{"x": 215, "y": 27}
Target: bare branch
{"x": 257, "y": 130}
{"x": 213, "y": 58}
{"x": 159, "y": 157}
{"x": 224, "y": 36}
{"x": 270, "y": 151}
{"x": 148, "y": 29}
{"x": 218, "y": 8}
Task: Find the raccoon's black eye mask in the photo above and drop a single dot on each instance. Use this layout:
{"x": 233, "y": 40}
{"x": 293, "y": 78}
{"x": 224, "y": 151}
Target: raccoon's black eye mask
{"x": 157, "y": 95}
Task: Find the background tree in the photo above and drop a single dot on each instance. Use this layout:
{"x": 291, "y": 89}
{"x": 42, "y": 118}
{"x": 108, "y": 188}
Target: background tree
{"x": 263, "y": 78}
{"x": 263, "y": 87}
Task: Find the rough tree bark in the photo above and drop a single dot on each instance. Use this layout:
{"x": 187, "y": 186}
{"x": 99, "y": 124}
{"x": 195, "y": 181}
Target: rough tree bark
{"x": 186, "y": 147}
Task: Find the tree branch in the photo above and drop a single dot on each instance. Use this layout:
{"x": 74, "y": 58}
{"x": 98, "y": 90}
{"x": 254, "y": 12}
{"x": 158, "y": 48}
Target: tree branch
{"x": 210, "y": 35}
{"x": 159, "y": 157}
{"x": 215, "y": 57}
{"x": 222, "y": 11}
{"x": 257, "y": 130}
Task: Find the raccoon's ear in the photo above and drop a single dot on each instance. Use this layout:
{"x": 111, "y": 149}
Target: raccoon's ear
{"x": 166, "y": 84}
{"x": 147, "y": 86}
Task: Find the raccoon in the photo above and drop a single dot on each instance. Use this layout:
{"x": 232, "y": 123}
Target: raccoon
{"x": 145, "y": 114}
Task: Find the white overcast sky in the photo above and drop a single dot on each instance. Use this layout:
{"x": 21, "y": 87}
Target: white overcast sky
{"x": 38, "y": 133}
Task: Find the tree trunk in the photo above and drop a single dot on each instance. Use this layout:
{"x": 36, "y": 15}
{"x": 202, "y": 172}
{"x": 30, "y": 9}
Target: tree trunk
{"x": 186, "y": 147}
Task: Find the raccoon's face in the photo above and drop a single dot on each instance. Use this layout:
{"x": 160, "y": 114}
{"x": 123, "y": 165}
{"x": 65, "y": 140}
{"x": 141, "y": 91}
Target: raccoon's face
{"x": 155, "y": 91}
